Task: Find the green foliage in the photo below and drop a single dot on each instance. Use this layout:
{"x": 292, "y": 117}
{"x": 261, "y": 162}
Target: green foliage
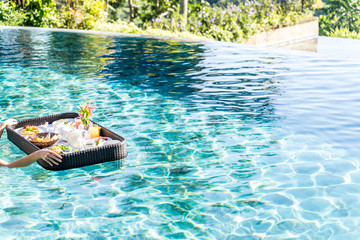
{"x": 84, "y": 15}
{"x": 344, "y": 33}
{"x": 225, "y": 20}
{"x": 126, "y": 27}
{"x": 143, "y": 10}
{"x": 150, "y": 10}
{"x": 340, "y": 18}
{"x": 118, "y": 10}
{"x": 70, "y": 18}
{"x": 10, "y": 15}
{"x": 233, "y": 23}
{"x": 41, "y": 13}
{"x": 118, "y": 26}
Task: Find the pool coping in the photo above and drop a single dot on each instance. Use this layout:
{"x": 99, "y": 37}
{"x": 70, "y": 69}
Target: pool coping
{"x": 119, "y": 34}
{"x": 248, "y": 43}
{"x": 300, "y": 32}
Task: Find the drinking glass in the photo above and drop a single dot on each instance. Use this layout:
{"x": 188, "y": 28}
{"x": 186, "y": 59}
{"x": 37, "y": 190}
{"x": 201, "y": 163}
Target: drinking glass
{"x": 77, "y": 122}
{"x": 95, "y": 131}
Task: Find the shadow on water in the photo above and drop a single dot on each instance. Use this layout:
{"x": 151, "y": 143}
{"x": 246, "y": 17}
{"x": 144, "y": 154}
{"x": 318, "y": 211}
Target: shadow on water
{"x": 156, "y": 65}
{"x": 243, "y": 84}
{"x": 67, "y": 53}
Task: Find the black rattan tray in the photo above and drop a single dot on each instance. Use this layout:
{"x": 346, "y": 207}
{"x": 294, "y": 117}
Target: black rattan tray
{"x": 81, "y": 158}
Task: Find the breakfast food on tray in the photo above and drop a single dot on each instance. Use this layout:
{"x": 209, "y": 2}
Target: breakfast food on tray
{"x": 63, "y": 134}
{"x": 100, "y": 141}
{"x": 29, "y": 130}
{"x": 60, "y": 148}
{"x": 57, "y": 136}
{"x": 41, "y": 139}
{"x": 45, "y": 137}
{"x": 57, "y": 149}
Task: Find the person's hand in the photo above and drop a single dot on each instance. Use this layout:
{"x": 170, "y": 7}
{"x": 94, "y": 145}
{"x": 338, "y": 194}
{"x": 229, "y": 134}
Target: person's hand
{"x": 9, "y": 122}
{"x": 49, "y": 156}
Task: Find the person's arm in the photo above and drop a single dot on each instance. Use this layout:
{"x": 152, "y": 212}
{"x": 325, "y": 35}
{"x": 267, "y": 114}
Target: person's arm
{"x": 8, "y": 122}
{"x": 48, "y": 156}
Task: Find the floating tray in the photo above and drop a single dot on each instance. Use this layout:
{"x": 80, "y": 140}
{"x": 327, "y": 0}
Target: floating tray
{"x": 81, "y": 158}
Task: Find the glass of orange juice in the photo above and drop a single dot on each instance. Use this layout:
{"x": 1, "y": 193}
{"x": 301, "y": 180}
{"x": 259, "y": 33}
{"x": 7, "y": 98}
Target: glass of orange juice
{"x": 94, "y": 131}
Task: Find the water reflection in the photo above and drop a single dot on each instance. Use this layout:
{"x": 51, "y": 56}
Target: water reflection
{"x": 46, "y": 50}
{"x": 156, "y": 66}
{"x": 207, "y": 78}
{"x": 84, "y": 53}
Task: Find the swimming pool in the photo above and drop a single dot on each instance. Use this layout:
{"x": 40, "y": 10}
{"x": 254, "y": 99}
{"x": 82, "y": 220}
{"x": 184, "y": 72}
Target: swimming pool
{"x": 225, "y": 141}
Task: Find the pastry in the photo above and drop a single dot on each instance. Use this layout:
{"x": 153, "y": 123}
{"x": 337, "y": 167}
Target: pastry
{"x": 29, "y": 130}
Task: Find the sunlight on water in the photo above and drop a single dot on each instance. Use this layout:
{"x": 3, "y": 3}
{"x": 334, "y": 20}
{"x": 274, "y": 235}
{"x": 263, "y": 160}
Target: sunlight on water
{"x": 225, "y": 141}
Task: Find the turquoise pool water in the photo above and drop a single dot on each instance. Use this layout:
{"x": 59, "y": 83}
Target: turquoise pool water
{"x": 225, "y": 141}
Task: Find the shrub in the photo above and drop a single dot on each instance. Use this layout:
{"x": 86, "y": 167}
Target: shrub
{"x": 118, "y": 26}
{"x": 41, "y": 13}
{"x": 10, "y": 15}
{"x": 340, "y": 17}
{"x": 84, "y": 15}
{"x": 344, "y": 33}
{"x": 234, "y": 22}
{"x": 219, "y": 21}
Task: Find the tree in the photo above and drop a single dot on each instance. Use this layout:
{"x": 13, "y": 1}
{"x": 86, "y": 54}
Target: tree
{"x": 131, "y": 10}
{"x": 183, "y": 10}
